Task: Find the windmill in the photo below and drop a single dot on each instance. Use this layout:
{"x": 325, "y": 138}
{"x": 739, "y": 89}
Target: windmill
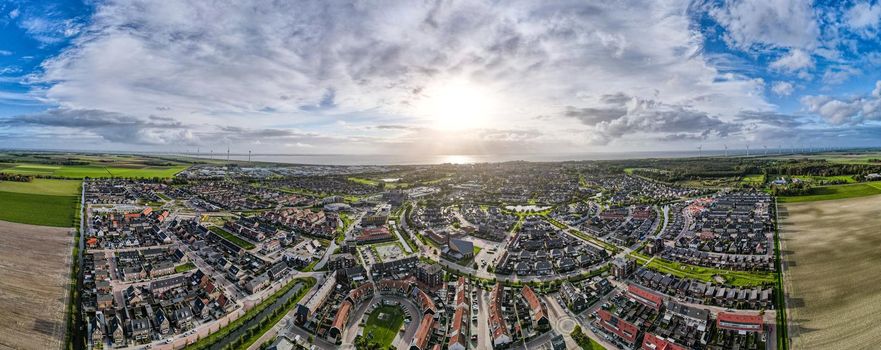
{"x": 700, "y": 151}
{"x": 726, "y": 150}
{"x": 227, "y": 153}
{"x": 766, "y": 149}
{"x": 747, "y": 150}
{"x": 249, "y": 156}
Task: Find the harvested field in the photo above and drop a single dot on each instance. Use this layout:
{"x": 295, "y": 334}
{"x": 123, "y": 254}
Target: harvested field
{"x": 831, "y": 260}
{"x": 34, "y": 275}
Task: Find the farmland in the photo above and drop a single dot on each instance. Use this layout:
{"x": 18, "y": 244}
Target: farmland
{"x": 34, "y": 280}
{"x": 824, "y": 193}
{"x": 93, "y": 171}
{"x": 36, "y": 209}
{"x": 43, "y": 186}
{"x": 830, "y": 253}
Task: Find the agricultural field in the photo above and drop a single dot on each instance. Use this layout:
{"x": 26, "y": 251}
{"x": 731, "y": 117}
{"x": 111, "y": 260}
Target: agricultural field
{"x": 49, "y": 187}
{"x": 753, "y": 180}
{"x": 77, "y": 166}
{"x": 34, "y": 281}
{"x": 832, "y": 192}
{"x": 830, "y": 253}
{"x": 383, "y": 324}
{"x": 37, "y": 209}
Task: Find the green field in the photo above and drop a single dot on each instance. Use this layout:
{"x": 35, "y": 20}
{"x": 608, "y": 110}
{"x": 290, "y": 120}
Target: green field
{"x": 43, "y": 186}
{"x": 93, "y": 171}
{"x": 835, "y": 192}
{"x": 706, "y": 274}
{"x": 232, "y": 238}
{"x": 36, "y": 209}
{"x": 383, "y": 331}
{"x": 753, "y": 179}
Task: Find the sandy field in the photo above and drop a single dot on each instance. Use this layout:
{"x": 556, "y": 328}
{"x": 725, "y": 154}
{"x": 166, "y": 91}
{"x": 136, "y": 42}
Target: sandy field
{"x": 832, "y": 261}
{"x": 34, "y": 270}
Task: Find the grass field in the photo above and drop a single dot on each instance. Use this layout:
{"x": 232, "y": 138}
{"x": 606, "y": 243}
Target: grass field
{"x": 706, "y": 274}
{"x": 383, "y": 331}
{"x": 36, "y": 209}
{"x": 43, "y": 186}
{"x": 232, "y": 238}
{"x": 836, "y": 192}
{"x": 94, "y": 171}
{"x": 753, "y": 180}
{"x": 34, "y": 281}
{"x": 830, "y": 252}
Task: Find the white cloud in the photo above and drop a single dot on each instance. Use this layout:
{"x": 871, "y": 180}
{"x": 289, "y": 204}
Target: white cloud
{"x": 839, "y": 74}
{"x": 839, "y": 111}
{"x": 864, "y": 18}
{"x": 794, "y": 61}
{"x": 768, "y": 23}
{"x": 782, "y": 88}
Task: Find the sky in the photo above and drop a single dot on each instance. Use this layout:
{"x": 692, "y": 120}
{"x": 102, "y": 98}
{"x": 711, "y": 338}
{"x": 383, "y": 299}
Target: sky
{"x": 438, "y": 77}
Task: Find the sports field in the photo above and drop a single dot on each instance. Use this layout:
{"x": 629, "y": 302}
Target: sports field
{"x": 33, "y": 285}
{"x": 383, "y": 324}
{"x": 825, "y": 193}
{"x": 830, "y": 253}
{"x": 232, "y": 238}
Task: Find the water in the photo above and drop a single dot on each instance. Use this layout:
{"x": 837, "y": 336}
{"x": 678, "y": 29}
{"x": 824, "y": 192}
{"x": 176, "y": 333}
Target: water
{"x": 390, "y": 159}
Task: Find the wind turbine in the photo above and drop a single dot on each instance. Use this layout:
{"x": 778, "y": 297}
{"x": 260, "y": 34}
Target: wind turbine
{"x": 747, "y": 150}
{"x": 249, "y": 156}
{"x": 766, "y": 149}
{"x": 726, "y": 150}
{"x": 700, "y": 151}
{"x": 227, "y": 153}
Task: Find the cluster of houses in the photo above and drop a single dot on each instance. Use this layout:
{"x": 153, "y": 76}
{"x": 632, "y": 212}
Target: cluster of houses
{"x": 623, "y": 189}
{"x": 515, "y": 315}
{"x": 642, "y": 318}
{"x": 122, "y": 191}
{"x": 705, "y": 292}
{"x": 492, "y": 222}
{"x": 115, "y": 228}
{"x": 539, "y": 248}
{"x": 579, "y": 296}
{"x": 733, "y": 223}
{"x": 304, "y": 221}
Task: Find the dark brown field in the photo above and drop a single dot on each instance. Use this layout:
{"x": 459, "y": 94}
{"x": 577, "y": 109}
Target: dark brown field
{"x": 34, "y": 270}
{"x": 833, "y": 257}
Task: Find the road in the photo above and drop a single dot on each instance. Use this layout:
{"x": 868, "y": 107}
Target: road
{"x": 232, "y": 336}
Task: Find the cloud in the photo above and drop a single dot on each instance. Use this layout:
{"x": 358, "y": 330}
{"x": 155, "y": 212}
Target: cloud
{"x": 756, "y": 24}
{"x": 782, "y": 88}
{"x": 309, "y": 65}
{"x": 851, "y": 111}
{"x": 793, "y": 61}
{"x": 839, "y": 74}
{"x": 622, "y": 116}
{"x": 110, "y": 126}
{"x": 863, "y": 18}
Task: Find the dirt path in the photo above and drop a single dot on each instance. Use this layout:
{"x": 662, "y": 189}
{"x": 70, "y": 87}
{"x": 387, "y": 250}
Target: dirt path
{"x": 34, "y": 271}
{"x": 831, "y": 250}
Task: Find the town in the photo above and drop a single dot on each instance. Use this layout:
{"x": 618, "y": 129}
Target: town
{"x": 481, "y": 256}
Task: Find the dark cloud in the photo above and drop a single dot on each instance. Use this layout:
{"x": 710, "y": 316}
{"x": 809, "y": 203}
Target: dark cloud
{"x": 111, "y": 126}
{"x": 593, "y": 116}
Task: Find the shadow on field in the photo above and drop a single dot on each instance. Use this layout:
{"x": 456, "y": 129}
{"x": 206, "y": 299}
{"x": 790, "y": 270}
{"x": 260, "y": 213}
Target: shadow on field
{"x": 46, "y": 327}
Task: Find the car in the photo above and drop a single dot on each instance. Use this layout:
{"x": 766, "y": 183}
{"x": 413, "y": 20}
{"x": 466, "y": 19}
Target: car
{"x": 168, "y": 341}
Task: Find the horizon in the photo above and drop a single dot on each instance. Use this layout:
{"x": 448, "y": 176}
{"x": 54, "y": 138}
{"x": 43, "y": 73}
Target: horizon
{"x": 434, "y": 78}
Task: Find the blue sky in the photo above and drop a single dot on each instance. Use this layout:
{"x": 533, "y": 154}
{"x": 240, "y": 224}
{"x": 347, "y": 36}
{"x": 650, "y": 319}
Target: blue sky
{"x": 439, "y": 78}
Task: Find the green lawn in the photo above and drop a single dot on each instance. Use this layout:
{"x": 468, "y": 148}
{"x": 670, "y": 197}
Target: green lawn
{"x": 36, "y": 209}
{"x": 232, "y": 238}
{"x": 94, "y": 171}
{"x": 364, "y": 181}
{"x": 383, "y": 331}
{"x": 705, "y": 274}
{"x": 43, "y": 186}
{"x": 836, "y": 192}
{"x": 753, "y": 179}
{"x": 184, "y": 267}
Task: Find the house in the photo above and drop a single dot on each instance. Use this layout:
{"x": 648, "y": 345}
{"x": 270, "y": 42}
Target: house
{"x": 738, "y": 322}
{"x": 459, "y": 249}
{"x": 536, "y": 307}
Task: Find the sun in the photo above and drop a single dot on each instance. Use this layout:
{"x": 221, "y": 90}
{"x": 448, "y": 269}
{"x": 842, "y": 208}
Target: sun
{"x": 457, "y": 105}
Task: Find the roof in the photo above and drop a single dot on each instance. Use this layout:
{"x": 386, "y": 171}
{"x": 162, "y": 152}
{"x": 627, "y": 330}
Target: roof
{"x": 622, "y": 328}
{"x": 420, "y": 340}
{"x": 653, "y": 342}
{"x": 538, "y": 309}
{"x": 739, "y": 321}
{"x": 642, "y": 295}
{"x": 339, "y": 321}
